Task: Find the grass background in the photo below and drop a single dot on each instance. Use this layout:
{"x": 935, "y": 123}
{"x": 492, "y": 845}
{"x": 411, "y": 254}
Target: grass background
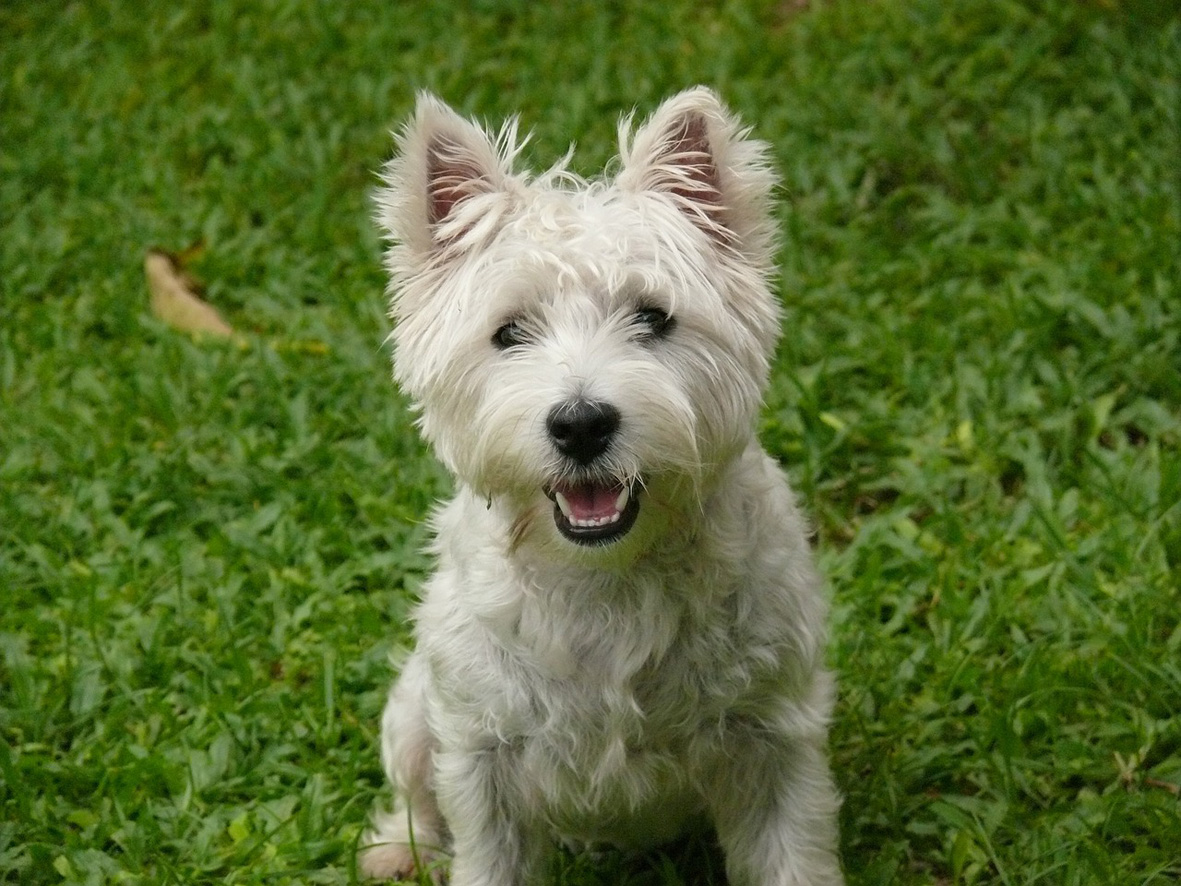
{"x": 208, "y": 551}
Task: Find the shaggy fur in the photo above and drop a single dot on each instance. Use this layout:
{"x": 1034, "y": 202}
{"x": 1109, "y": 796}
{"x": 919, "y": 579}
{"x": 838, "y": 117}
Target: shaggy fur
{"x": 624, "y": 635}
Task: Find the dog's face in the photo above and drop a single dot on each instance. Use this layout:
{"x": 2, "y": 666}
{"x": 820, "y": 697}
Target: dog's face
{"x": 590, "y": 354}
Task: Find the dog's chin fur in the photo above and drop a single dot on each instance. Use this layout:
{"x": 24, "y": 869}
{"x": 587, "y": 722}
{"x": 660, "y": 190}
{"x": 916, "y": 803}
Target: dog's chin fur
{"x": 588, "y": 670}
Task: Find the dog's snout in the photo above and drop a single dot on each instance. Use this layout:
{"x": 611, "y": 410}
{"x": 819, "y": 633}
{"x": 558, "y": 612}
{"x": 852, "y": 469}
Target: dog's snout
{"x": 582, "y": 429}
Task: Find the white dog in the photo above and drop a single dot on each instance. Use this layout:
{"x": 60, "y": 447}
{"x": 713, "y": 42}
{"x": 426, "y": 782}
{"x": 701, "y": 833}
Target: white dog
{"x": 625, "y": 634}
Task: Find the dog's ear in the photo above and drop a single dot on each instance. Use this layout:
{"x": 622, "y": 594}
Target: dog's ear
{"x": 697, "y": 154}
{"x": 445, "y": 164}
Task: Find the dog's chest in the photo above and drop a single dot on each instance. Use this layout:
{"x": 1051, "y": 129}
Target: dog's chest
{"x": 649, "y": 656}
{"x": 616, "y": 700}
{"x": 607, "y": 704}
{"x": 607, "y": 748}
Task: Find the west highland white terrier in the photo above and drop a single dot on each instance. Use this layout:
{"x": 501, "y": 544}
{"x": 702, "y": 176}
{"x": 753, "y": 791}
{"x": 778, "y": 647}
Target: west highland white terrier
{"x": 624, "y": 637}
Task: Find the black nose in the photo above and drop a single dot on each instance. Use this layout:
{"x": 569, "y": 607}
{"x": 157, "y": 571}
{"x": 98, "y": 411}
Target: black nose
{"x": 582, "y": 429}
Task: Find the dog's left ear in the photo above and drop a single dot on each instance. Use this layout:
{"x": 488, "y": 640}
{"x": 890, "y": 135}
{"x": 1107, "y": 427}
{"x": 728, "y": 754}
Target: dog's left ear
{"x": 694, "y": 152}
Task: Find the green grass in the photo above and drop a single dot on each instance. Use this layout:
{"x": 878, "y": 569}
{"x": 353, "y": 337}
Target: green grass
{"x": 208, "y": 551}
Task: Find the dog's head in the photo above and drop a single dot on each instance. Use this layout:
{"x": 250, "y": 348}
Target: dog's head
{"x": 590, "y": 353}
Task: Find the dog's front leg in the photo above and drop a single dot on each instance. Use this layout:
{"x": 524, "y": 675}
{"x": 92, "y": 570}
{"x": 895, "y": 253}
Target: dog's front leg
{"x": 494, "y": 841}
{"x": 775, "y": 806}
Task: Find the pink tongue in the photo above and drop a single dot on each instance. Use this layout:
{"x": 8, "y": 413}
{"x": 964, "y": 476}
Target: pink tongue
{"x": 589, "y": 501}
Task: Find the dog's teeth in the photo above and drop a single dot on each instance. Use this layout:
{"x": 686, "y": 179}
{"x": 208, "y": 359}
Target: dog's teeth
{"x": 567, "y": 510}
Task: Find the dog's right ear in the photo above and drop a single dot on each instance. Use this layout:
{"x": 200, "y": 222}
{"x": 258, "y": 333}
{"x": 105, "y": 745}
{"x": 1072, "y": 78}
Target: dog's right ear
{"x": 450, "y": 182}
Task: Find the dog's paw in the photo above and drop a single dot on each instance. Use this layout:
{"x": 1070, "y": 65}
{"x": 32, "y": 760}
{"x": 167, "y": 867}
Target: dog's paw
{"x": 386, "y": 861}
{"x": 396, "y": 861}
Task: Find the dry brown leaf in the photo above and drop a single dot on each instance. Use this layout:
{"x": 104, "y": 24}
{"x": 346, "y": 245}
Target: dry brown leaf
{"x": 175, "y": 299}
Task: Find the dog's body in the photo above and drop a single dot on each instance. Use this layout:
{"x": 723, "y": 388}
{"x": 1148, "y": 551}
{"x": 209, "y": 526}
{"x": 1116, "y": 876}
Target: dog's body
{"x": 624, "y": 636}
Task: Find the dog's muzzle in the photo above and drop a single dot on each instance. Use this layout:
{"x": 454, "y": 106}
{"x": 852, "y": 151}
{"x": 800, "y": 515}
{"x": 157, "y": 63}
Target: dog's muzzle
{"x": 594, "y": 512}
{"x": 589, "y": 511}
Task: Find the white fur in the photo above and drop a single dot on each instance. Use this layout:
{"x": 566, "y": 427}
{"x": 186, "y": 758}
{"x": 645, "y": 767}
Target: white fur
{"x": 618, "y": 692}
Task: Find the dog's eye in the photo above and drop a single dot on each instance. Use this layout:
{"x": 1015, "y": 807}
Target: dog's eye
{"x": 510, "y": 335}
{"x": 652, "y": 323}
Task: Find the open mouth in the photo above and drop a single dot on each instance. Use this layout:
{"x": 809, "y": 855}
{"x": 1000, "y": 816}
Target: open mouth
{"x": 593, "y": 512}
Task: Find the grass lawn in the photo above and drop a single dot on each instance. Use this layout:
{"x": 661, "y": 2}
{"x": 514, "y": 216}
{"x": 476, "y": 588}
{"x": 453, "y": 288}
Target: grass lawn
{"x": 208, "y": 550}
